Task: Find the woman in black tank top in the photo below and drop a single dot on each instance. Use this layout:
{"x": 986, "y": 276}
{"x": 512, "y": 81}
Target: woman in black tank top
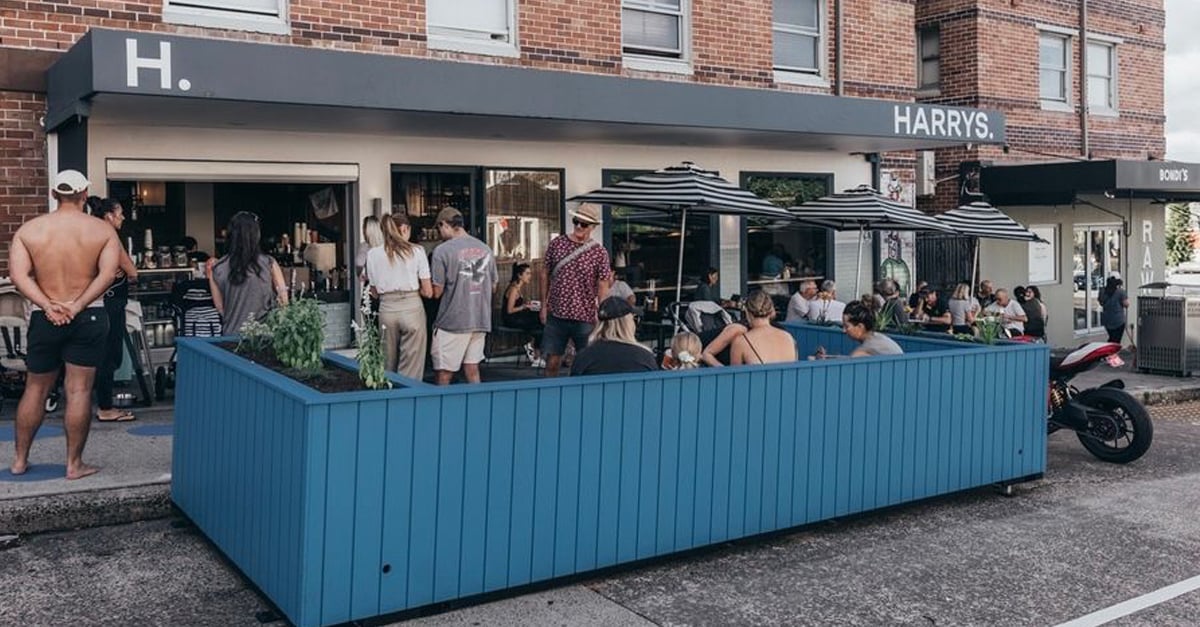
{"x": 115, "y": 300}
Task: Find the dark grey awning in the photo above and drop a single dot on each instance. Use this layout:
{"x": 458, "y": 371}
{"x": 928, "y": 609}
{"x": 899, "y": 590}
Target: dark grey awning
{"x": 1062, "y": 183}
{"x": 236, "y": 78}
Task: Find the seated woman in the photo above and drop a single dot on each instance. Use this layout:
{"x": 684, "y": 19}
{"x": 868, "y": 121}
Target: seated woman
{"x": 521, "y": 314}
{"x": 762, "y": 343}
{"x": 685, "y": 352}
{"x": 859, "y": 322}
{"x": 613, "y": 346}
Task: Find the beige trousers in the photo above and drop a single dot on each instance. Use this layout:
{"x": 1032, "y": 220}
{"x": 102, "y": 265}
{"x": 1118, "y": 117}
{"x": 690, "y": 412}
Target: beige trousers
{"x": 402, "y": 316}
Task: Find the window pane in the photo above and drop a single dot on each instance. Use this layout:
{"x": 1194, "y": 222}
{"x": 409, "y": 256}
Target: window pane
{"x": 796, "y": 51}
{"x": 484, "y": 16}
{"x": 804, "y": 13}
{"x": 1053, "y": 85}
{"x": 929, "y": 43}
{"x": 1052, "y": 52}
{"x": 930, "y": 73}
{"x": 653, "y": 4}
{"x": 1099, "y": 60}
{"x": 643, "y": 29}
{"x": 1082, "y": 287}
{"x": 258, "y": 7}
{"x": 524, "y": 209}
{"x": 1099, "y": 92}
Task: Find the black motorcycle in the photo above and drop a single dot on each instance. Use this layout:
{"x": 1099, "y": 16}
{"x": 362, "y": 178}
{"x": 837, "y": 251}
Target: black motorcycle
{"x": 1111, "y": 424}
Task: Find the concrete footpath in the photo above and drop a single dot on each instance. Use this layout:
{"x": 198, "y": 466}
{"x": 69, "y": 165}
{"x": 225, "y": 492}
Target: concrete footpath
{"x": 135, "y": 460}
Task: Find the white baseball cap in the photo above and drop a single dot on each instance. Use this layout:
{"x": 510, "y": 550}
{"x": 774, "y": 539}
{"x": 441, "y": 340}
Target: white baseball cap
{"x": 70, "y": 182}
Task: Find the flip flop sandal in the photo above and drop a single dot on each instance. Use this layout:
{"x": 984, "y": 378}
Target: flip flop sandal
{"x": 124, "y": 416}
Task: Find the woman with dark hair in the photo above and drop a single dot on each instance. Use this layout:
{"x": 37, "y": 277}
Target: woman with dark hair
{"x": 859, "y": 323}
{"x": 1035, "y": 310}
{"x": 521, "y": 314}
{"x": 707, "y": 289}
{"x": 399, "y": 272}
{"x": 1114, "y": 302}
{"x": 115, "y": 300}
{"x": 245, "y": 284}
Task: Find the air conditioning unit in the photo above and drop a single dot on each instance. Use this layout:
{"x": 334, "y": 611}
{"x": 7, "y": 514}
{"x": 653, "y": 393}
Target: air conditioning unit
{"x": 926, "y": 173}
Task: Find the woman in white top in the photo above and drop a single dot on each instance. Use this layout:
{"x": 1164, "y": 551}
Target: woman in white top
{"x": 963, "y": 309}
{"x": 826, "y": 307}
{"x": 372, "y": 238}
{"x": 399, "y": 274}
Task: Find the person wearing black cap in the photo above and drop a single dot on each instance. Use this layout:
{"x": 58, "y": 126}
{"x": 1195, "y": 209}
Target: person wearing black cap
{"x": 63, "y": 262}
{"x": 612, "y": 347}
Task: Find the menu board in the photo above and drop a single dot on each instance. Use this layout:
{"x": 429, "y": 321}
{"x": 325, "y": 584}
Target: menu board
{"x": 1043, "y": 256}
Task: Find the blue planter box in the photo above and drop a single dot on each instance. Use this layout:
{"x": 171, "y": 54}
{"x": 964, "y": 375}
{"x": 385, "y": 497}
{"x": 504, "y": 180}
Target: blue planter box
{"x": 348, "y": 506}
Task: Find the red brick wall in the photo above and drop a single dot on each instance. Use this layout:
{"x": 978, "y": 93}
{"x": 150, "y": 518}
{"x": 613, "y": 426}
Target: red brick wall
{"x": 880, "y": 49}
{"x": 22, "y": 165}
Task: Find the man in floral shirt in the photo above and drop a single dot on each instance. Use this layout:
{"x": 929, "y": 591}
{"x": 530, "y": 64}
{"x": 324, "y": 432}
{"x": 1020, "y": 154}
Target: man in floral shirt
{"x": 578, "y": 278}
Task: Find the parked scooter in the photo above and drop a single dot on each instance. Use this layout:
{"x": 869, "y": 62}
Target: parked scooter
{"x": 1111, "y": 424}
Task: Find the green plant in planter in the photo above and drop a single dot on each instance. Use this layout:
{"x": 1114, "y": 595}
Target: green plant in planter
{"x": 298, "y": 334}
{"x": 368, "y": 341}
{"x": 990, "y": 329}
{"x": 256, "y": 337}
{"x": 884, "y": 318}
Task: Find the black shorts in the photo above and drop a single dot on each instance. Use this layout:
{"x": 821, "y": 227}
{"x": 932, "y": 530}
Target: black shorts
{"x": 80, "y": 343}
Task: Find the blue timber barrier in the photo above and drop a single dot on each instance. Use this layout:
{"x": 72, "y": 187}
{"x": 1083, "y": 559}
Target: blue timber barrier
{"x": 346, "y": 506}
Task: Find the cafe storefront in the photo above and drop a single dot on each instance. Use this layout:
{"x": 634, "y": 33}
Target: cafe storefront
{"x": 223, "y": 126}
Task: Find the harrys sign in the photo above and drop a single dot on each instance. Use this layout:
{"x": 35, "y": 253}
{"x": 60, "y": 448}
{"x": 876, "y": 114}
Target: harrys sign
{"x": 942, "y": 123}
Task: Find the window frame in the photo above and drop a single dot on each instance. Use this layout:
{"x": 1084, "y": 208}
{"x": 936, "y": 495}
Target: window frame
{"x": 440, "y": 37}
{"x": 804, "y": 76}
{"x": 924, "y": 87}
{"x": 179, "y": 12}
{"x": 646, "y": 58}
{"x": 1113, "y": 105}
{"x": 1066, "y": 103}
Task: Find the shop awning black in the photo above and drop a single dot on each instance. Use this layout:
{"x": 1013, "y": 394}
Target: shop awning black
{"x": 157, "y": 78}
{"x": 1062, "y": 183}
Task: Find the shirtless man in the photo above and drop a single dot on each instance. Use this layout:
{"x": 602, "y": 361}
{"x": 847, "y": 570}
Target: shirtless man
{"x": 63, "y": 262}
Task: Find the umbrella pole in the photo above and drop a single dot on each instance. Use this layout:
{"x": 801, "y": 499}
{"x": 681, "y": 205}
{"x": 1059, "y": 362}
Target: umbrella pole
{"x": 679, "y": 274}
{"x": 858, "y": 270}
{"x": 975, "y": 266}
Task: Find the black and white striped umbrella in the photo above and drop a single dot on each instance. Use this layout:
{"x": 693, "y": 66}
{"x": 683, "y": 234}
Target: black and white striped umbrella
{"x": 980, "y": 219}
{"x": 864, "y": 209}
{"x": 683, "y": 187}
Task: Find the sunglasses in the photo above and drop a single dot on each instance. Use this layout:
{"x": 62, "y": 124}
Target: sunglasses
{"x": 581, "y": 224}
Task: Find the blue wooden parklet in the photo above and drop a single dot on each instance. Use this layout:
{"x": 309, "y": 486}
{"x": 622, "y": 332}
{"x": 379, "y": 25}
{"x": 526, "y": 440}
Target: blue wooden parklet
{"x": 348, "y": 506}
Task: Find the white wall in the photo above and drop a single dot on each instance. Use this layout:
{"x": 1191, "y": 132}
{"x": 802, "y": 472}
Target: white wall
{"x": 375, "y": 155}
{"x": 1007, "y": 263}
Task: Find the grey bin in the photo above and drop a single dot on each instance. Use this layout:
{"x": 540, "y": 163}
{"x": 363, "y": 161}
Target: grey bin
{"x": 1168, "y": 330}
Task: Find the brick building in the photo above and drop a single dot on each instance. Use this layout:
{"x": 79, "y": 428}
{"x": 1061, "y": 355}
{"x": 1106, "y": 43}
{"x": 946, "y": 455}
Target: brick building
{"x": 192, "y": 109}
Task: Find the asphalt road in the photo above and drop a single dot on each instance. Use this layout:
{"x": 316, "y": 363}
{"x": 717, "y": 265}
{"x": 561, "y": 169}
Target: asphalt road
{"x": 1088, "y": 536}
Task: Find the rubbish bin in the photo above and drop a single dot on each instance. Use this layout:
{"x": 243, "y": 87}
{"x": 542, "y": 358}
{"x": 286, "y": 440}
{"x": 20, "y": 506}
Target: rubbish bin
{"x": 1168, "y": 330}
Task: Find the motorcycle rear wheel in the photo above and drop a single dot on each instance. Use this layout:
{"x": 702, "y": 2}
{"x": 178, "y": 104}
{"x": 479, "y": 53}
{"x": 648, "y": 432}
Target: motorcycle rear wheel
{"x": 1125, "y": 432}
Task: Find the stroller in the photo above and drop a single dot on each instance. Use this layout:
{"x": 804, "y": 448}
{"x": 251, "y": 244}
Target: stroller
{"x": 195, "y": 315}
{"x": 14, "y": 331}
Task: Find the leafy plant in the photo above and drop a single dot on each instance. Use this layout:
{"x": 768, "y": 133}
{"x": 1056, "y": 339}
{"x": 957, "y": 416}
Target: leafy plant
{"x": 256, "y": 337}
{"x": 990, "y": 329}
{"x": 368, "y": 341}
{"x": 298, "y": 334}
{"x": 884, "y": 317}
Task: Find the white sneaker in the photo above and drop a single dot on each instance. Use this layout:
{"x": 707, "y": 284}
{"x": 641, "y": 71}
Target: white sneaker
{"x": 529, "y": 352}
{"x": 537, "y": 363}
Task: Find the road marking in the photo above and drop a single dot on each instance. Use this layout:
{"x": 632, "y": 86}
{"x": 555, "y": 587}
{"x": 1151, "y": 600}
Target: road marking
{"x": 1137, "y": 604}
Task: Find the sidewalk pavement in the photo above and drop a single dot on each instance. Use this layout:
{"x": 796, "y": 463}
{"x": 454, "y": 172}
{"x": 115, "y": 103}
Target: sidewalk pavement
{"x": 135, "y": 460}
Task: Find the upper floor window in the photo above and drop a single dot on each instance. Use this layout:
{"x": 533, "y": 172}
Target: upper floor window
{"x": 797, "y": 30}
{"x": 265, "y": 16}
{"x": 1101, "y": 76}
{"x": 1053, "y": 66}
{"x": 929, "y": 68}
{"x": 478, "y": 26}
{"x": 655, "y": 32}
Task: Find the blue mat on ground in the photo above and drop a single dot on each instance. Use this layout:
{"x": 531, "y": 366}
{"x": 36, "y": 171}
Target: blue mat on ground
{"x": 152, "y": 430}
{"x": 36, "y": 472}
{"x": 8, "y": 433}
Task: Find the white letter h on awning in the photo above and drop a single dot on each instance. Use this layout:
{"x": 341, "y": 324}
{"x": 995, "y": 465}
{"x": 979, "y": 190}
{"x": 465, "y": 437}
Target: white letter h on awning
{"x": 133, "y": 63}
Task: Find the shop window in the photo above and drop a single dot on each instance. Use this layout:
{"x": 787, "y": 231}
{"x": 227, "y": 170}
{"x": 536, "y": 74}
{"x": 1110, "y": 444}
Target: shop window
{"x": 797, "y": 30}
{"x": 267, "y": 16}
{"x": 654, "y": 34}
{"x": 1054, "y": 69}
{"x": 771, "y": 246}
{"x": 1101, "y": 77}
{"x": 1097, "y": 255}
{"x": 929, "y": 68}
{"x": 479, "y": 26}
{"x": 524, "y": 211}
{"x": 645, "y": 245}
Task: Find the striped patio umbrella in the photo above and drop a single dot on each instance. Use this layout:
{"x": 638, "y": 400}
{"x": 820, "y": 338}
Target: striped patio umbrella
{"x": 683, "y": 189}
{"x": 864, "y": 209}
{"x": 982, "y": 220}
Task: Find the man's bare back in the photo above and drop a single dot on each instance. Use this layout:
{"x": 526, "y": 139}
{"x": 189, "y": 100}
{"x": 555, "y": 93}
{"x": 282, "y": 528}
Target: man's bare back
{"x": 64, "y": 251}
